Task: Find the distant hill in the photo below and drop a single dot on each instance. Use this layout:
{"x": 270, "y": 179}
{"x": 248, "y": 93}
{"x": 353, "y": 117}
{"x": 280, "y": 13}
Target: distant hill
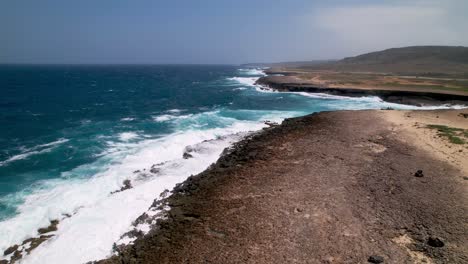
{"x": 413, "y": 55}
{"x": 288, "y": 63}
{"x": 431, "y": 61}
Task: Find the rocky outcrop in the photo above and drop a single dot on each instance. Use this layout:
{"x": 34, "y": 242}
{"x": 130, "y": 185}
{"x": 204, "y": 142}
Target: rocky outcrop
{"x": 288, "y": 84}
{"x": 340, "y": 182}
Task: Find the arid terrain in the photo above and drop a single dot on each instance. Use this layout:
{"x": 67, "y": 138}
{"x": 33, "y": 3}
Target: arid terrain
{"x": 412, "y": 75}
{"x": 334, "y": 187}
{"x": 367, "y": 80}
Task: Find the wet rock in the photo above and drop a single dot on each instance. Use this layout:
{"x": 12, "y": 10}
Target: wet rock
{"x": 52, "y": 227}
{"x": 16, "y": 256}
{"x": 3, "y": 261}
{"x": 188, "y": 150}
{"x": 155, "y": 170}
{"x": 419, "y": 174}
{"x": 10, "y": 250}
{"x": 127, "y": 184}
{"x": 187, "y": 155}
{"x": 134, "y": 233}
{"x": 375, "y": 259}
{"x": 270, "y": 123}
{"x": 435, "y": 242}
{"x": 141, "y": 219}
{"x": 116, "y": 248}
{"x": 35, "y": 242}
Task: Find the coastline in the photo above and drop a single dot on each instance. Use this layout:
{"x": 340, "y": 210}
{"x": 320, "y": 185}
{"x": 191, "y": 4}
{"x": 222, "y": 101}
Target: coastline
{"x": 153, "y": 218}
{"x": 401, "y": 95}
{"x": 327, "y": 187}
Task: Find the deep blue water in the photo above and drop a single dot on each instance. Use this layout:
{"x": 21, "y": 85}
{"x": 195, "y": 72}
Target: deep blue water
{"x": 63, "y": 125}
{"x": 44, "y": 104}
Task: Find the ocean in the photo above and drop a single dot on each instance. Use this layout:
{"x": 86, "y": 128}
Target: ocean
{"x": 71, "y": 135}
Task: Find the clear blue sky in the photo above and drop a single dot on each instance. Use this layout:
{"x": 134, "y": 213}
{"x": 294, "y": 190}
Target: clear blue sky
{"x": 220, "y": 31}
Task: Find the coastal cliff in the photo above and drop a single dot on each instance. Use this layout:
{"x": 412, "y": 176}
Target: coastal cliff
{"x": 332, "y": 187}
{"x": 408, "y": 96}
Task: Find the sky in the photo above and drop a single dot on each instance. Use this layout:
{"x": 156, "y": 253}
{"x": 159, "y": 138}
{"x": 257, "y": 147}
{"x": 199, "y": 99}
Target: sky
{"x": 221, "y": 31}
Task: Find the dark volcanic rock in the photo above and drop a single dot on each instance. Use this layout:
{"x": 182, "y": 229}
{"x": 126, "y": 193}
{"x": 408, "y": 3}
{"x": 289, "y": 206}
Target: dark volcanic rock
{"x": 127, "y": 184}
{"x": 10, "y": 250}
{"x": 419, "y": 173}
{"x": 435, "y": 242}
{"x": 34, "y": 243}
{"x": 270, "y": 123}
{"x": 187, "y": 155}
{"x": 155, "y": 170}
{"x": 375, "y": 259}
{"x": 52, "y": 227}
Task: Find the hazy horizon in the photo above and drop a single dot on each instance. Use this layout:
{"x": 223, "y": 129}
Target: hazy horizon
{"x": 220, "y": 32}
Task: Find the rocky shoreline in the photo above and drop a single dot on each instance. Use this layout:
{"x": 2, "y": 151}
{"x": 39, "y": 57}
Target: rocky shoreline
{"x": 331, "y": 187}
{"x": 400, "y": 96}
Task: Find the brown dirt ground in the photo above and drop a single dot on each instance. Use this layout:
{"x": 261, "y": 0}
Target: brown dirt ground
{"x": 334, "y": 187}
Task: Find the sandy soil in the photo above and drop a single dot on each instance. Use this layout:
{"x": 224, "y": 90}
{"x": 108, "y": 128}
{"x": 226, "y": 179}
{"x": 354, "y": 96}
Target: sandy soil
{"x": 336, "y": 187}
{"x": 413, "y": 126}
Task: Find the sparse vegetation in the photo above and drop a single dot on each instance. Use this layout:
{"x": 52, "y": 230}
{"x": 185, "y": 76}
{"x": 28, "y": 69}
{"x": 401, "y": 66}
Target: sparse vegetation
{"x": 453, "y": 134}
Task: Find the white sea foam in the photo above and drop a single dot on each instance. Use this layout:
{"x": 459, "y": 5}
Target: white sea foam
{"x": 175, "y": 111}
{"x": 54, "y": 143}
{"x": 167, "y": 117}
{"x": 252, "y": 71}
{"x": 39, "y": 149}
{"x": 369, "y": 102}
{"x": 127, "y": 119}
{"x": 240, "y": 89}
{"x": 163, "y": 118}
{"x": 127, "y": 136}
{"x": 249, "y": 81}
{"x": 100, "y": 218}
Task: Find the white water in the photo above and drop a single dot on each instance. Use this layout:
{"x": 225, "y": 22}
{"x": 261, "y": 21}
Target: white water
{"x": 39, "y": 149}
{"x": 127, "y": 136}
{"x": 249, "y": 81}
{"x": 98, "y": 219}
{"x": 252, "y": 71}
{"x": 357, "y": 103}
